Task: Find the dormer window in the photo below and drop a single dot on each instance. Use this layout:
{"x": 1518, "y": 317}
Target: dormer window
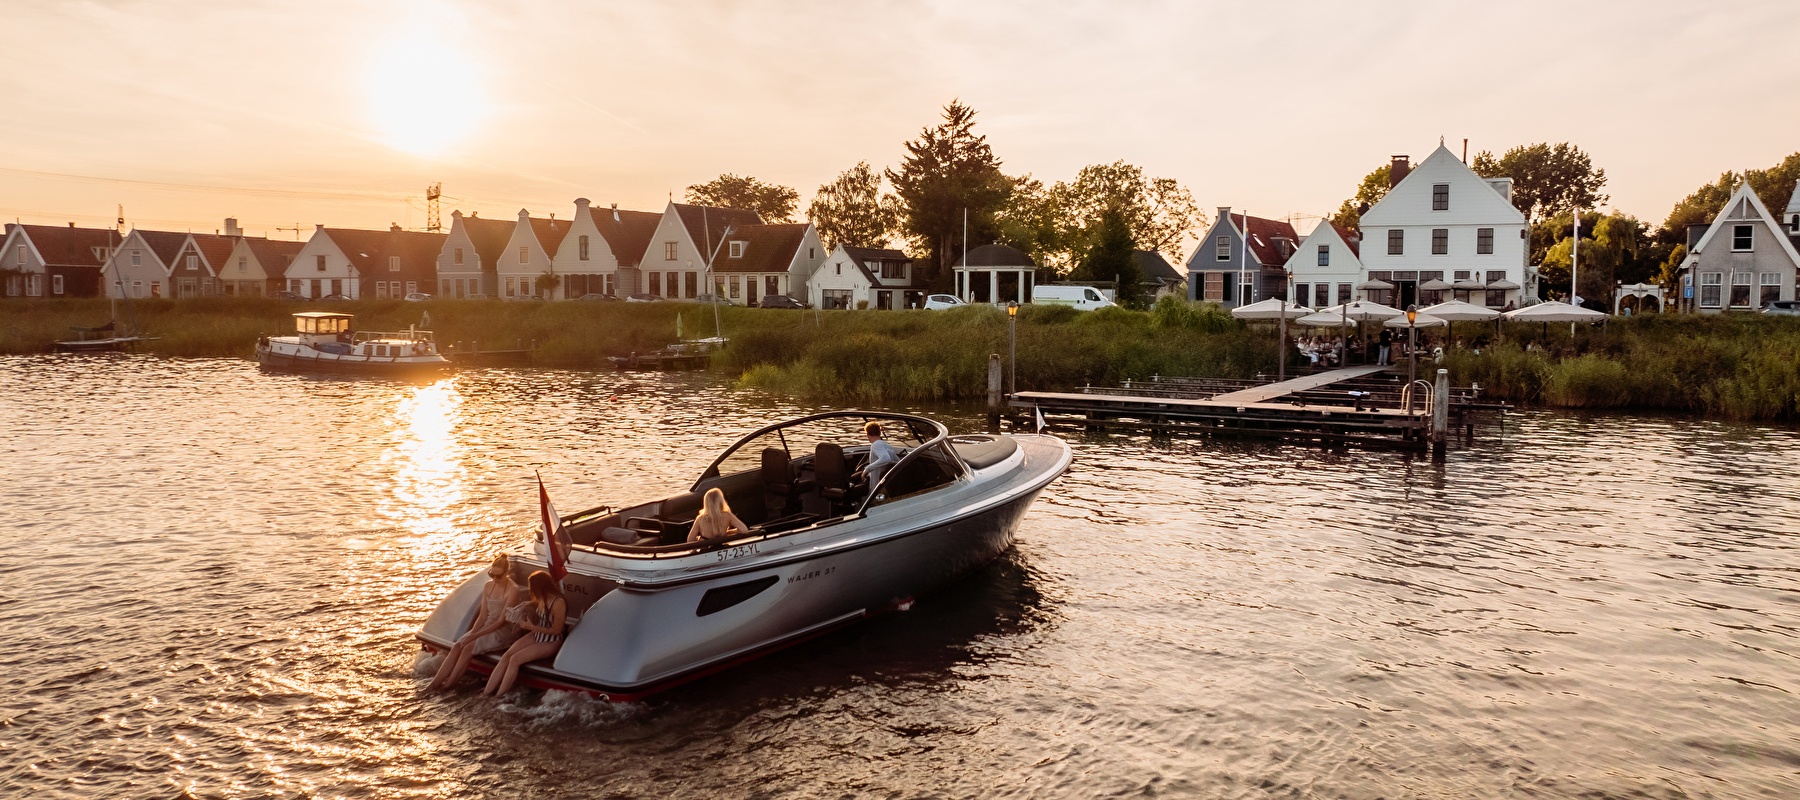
{"x": 393, "y": 263}
{"x": 1741, "y": 238}
{"x": 193, "y": 261}
{"x": 1440, "y": 197}
{"x": 243, "y": 263}
{"x": 737, "y": 249}
{"x": 581, "y": 244}
{"x": 524, "y": 254}
{"x": 137, "y": 258}
{"x": 668, "y": 252}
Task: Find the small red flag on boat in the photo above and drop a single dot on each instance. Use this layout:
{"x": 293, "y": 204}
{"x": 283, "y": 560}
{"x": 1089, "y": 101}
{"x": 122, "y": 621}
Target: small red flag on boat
{"x": 552, "y": 527}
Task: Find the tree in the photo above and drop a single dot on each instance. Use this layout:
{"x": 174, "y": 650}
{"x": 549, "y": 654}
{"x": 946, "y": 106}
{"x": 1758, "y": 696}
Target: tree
{"x": 1547, "y": 179}
{"x": 852, "y": 209}
{"x": 1031, "y": 221}
{"x": 1774, "y": 186}
{"x": 1059, "y": 224}
{"x": 1113, "y": 256}
{"x": 1374, "y": 186}
{"x": 947, "y": 172}
{"x": 1615, "y": 248}
{"x": 771, "y": 202}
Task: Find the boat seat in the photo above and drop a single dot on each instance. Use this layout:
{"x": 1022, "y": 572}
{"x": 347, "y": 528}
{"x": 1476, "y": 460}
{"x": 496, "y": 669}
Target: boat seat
{"x": 781, "y": 490}
{"x": 630, "y": 536}
{"x": 981, "y": 452}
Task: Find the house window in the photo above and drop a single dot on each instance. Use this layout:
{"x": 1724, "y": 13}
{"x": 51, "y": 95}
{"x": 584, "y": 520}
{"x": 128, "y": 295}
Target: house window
{"x": 1771, "y": 288}
{"x": 56, "y": 284}
{"x": 812, "y": 252}
{"x": 1710, "y": 283}
{"x": 1302, "y": 293}
{"x": 839, "y": 267}
{"x": 411, "y": 286}
{"x": 771, "y": 285}
{"x": 381, "y": 290}
{"x": 1343, "y": 293}
{"x": 1496, "y": 298}
{"x": 1741, "y": 238}
{"x": 1324, "y": 255}
{"x": 1322, "y": 298}
{"x": 1222, "y": 250}
{"x": 893, "y": 270}
{"x": 34, "y": 284}
{"x": 735, "y": 288}
{"x": 1396, "y": 242}
{"x": 243, "y": 263}
{"x": 1214, "y": 287}
{"x": 393, "y": 263}
{"x": 512, "y": 287}
{"x": 1484, "y": 241}
{"x": 1740, "y": 289}
{"x": 137, "y": 288}
{"x": 446, "y": 290}
{"x": 693, "y": 284}
{"x": 737, "y": 249}
{"x": 1440, "y": 197}
{"x": 21, "y": 258}
{"x": 456, "y": 256}
{"x": 525, "y": 287}
{"x": 830, "y": 299}
{"x": 320, "y": 262}
{"x": 672, "y": 285}
{"x": 337, "y": 286}
{"x": 581, "y": 245}
{"x": 524, "y": 254}
{"x": 668, "y": 252}
{"x": 1440, "y": 241}
{"x": 137, "y": 259}
{"x": 656, "y": 283}
{"x": 193, "y": 262}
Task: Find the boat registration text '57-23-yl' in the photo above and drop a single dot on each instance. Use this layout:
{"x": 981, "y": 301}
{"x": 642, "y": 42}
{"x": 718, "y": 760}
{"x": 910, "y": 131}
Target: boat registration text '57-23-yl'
{"x": 740, "y": 551}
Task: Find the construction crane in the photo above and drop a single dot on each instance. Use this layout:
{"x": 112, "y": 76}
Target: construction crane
{"x": 433, "y": 222}
{"x": 296, "y": 229}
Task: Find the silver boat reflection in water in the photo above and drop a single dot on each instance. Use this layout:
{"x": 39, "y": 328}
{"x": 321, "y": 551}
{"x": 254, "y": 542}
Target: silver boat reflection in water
{"x": 650, "y": 610}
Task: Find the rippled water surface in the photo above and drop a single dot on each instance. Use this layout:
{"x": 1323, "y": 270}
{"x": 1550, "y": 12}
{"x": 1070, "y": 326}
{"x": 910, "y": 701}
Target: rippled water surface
{"x": 210, "y": 577}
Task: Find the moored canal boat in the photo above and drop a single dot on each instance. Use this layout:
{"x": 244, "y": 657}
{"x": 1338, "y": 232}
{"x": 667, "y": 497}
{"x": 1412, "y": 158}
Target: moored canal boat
{"x": 649, "y": 610}
{"x": 325, "y": 341}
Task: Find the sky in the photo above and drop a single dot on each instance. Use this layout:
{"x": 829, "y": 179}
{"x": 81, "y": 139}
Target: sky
{"x": 342, "y": 112}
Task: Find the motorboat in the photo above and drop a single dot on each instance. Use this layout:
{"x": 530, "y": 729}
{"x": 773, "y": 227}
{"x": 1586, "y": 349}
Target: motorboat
{"x": 104, "y": 339}
{"x": 649, "y": 610}
{"x": 681, "y": 356}
{"x": 326, "y": 341}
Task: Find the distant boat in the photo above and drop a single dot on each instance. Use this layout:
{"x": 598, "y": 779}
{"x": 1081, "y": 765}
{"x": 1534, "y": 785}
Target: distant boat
{"x": 326, "y": 342}
{"x": 680, "y": 356}
{"x": 105, "y": 338}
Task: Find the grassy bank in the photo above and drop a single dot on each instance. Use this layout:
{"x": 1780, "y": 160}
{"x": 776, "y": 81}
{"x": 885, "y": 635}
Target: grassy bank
{"x": 1736, "y": 366}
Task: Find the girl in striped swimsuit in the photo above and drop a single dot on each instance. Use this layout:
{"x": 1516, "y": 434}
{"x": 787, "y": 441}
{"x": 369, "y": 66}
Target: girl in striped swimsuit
{"x": 543, "y": 617}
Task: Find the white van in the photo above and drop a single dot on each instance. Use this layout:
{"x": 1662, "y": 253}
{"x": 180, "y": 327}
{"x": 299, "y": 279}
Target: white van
{"x": 1083, "y": 298}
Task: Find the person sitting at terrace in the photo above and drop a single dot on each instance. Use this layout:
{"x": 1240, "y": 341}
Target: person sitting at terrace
{"x": 881, "y": 455}
{"x": 715, "y": 523}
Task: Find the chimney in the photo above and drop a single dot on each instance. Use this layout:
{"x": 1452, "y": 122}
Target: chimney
{"x": 1225, "y": 216}
{"x": 524, "y": 215}
{"x": 615, "y": 207}
{"x": 71, "y": 224}
{"x": 231, "y": 227}
{"x": 1398, "y": 169}
{"x": 393, "y": 227}
{"x": 319, "y": 226}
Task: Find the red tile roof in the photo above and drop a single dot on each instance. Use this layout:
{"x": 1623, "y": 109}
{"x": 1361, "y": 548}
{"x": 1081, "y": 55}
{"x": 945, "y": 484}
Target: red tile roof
{"x": 274, "y": 256}
{"x": 702, "y": 221}
{"x": 1263, "y": 233}
{"x": 71, "y": 247}
{"x": 214, "y": 249}
{"x": 370, "y": 250}
{"x": 1350, "y": 238}
{"x": 767, "y": 248}
{"x": 165, "y": 245}
{"x": 549, "y": 233}
{"x": 869, "y": 260}
{"x": 629, "y": 235}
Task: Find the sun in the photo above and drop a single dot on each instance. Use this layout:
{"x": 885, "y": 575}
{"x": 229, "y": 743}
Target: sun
{"x": 425, "y": 95}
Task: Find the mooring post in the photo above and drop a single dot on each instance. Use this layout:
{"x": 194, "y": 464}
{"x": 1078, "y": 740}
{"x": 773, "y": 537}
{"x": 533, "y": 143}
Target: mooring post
{"x": 1440, "y": 412}
{"x": 995, "y": 398}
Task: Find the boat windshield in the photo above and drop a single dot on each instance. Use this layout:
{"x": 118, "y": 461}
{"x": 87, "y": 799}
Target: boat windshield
{"x": 801, "y": 437}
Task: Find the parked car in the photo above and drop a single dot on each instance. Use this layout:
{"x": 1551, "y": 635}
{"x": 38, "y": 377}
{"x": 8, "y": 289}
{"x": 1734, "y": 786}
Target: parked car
{"x": 292, "y": 297}
{"x": 595, "y": 297}
{"x": 1083, "y": 298}
{"x": 711, "y": 298}
{"x": 334, "y": 298}
{"x": 1786, "y": 308}
{"x": 642, "y": 298}
{"x": 417, "y": 297}
{"x": 938, "y": 302}
{"x": 780, "y": 301}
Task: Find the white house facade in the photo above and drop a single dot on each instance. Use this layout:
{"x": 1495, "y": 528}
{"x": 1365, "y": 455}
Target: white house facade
{"x": 529, "y": 258}
{"x": 51, "y": 261}
{"x": 675, "y": 263}
{"x": 322, "y": 269}
{"x": 140, "y": 267}
{"x": 469, "y": 265}
{"x": 761, "y": 260}
{"x": 601, "y": 251}
{"x": 1325, "y": 269}
{"x": 1743, "y": 262}
{"x": 1441, "y": 221}
{"x": 864, "y": 277}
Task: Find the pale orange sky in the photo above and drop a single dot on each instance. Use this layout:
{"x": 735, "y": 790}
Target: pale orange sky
{"x": 342, "y": 112}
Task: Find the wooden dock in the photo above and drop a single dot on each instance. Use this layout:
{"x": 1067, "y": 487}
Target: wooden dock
{"x": 1363, "y": 406}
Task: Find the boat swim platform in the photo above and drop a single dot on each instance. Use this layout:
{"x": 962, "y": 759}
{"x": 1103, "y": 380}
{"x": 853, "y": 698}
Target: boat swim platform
{"x": 1355, "y": 405}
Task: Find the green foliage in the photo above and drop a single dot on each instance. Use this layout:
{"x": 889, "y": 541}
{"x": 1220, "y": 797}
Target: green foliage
{"x": 853, "y": 210}
{"x": 1547, "y": 179}
{"x": 1373, "y": 187}
{"x": 1615, "y": 248}
{"x": 771, "y": 202}
{"x": 1773, "y": 186}
{"x": 1113, "y": 257}
{"x": 948, "y": 170}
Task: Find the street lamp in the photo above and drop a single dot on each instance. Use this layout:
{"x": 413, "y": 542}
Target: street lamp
{"x": 1412, "y": 352}
{"x": 1012, "y": 348}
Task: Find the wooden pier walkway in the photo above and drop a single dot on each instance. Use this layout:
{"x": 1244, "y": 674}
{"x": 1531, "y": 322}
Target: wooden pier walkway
{"x": 1270, "y": 391}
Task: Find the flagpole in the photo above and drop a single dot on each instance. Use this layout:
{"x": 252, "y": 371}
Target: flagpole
{"x": 1575, "y": 259}
{"x": 1244, "y": 265}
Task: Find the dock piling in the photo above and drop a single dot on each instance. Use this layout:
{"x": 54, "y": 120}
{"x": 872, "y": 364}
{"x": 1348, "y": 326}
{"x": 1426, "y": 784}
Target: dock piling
{"x": 995, "y": 398}
{"x": 1440, "y": 412}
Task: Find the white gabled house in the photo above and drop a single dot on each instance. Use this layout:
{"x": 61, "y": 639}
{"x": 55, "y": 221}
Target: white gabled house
{"x": 601, "y": 252}
{"x": 1441, "y": 221}
{"x": 1326, "y": 268}
{"x": 864, "y": 277}
{"x": 1744, "y": 261}
{"x": 528, "y": 257}
{"x": 140, "y": 267}
{"x": 675, "y": 262}
{"x": 52, "y": 261}
{"x": 469, "y": 264}
{"x": 761, "y": 260}
{"x": 257, "y": 266}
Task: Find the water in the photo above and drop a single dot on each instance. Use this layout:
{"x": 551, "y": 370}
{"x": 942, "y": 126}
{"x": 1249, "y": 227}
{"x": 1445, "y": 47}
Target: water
{"x": 209, "y": 580}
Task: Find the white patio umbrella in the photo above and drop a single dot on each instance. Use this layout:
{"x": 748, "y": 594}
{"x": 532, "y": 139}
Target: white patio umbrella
{"x": 1503, "y": 285}
{"x": 1374, "y": 284}
{"x": 1271, "y": 309}
{"x": 1549, "y": 312}
{"x": 1359, "y": 311}
{"x": 1434, "y": 285}
{"x": 1469, "y": 285}
{"x": 1459, "y": 311}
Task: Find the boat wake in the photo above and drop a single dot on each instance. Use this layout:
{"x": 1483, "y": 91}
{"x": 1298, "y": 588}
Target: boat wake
{"x": 555, "y": 707}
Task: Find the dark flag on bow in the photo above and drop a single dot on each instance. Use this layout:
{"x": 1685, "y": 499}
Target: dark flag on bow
{"x": 552, "y": 533}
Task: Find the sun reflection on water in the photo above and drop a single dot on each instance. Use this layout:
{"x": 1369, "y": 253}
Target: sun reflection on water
{"x": 426, "y": 478}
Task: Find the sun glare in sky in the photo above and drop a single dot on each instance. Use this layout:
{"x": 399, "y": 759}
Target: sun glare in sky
{"x": 425, "y": 94}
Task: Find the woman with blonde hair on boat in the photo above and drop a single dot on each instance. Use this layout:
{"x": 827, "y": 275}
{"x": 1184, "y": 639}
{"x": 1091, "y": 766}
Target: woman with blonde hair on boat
{"x": 715, "y": 522}
{"x": 490, "y": 631}
{"x": 544, "y": 618}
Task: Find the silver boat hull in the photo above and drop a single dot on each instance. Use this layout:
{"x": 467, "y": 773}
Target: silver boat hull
{"x": 679, "y": 623}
